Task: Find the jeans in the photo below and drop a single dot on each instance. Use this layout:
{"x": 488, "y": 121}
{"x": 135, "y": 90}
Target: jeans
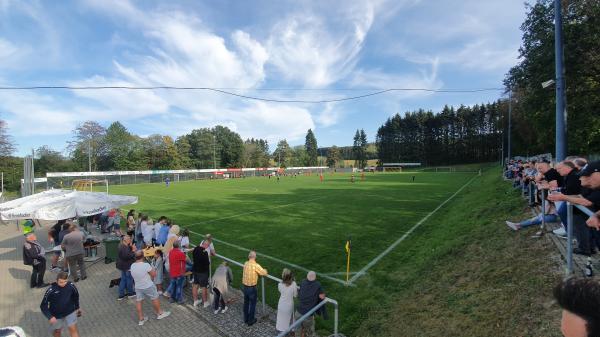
{"x": 561, "y": 210}
{"x": 176, "y": 288}
{"x": 218, "y": 302}
{"x": 250, "y": 295}
{"x": 538, "y": 220}
{"x": 586, "y": 237}
{"x": 73, "y": 262}
{"x": 37, "y": 274}
{"x": 126, "y": 282}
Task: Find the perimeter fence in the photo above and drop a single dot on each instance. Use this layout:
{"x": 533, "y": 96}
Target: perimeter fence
{"x": 66, "y": 179}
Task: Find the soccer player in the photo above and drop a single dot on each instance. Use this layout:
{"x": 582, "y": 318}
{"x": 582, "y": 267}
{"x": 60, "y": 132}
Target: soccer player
{"x": 352, "y": 178}
{"x": 321, "y": 176}
{"x": 167, "y": 181}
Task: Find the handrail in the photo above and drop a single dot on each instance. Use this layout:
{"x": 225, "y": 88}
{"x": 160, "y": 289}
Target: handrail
{"x": 305, "y": 316}
{"x": 310, "y": 313}
{"x": 586, "y": 211}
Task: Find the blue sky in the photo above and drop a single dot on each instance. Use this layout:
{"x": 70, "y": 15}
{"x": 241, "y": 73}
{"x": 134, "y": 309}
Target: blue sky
{"x": 330, "y": 49}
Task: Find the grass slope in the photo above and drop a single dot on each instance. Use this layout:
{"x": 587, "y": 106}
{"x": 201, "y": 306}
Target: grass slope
{"x": 465, "y": 274}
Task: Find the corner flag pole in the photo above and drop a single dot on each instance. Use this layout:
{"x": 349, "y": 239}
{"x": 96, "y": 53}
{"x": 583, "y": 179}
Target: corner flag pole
{"x": 348, "y": 248}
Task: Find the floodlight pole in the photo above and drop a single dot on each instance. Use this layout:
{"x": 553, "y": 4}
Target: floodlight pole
{"x": 214, "y": 151}
{"x": 561, "y": 114}
{"x": 509, "y": 121}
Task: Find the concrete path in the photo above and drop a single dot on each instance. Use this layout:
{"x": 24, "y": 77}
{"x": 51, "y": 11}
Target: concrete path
{"x": 103, "y": 315}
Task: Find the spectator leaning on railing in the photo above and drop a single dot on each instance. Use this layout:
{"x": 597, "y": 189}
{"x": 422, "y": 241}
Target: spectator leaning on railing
{"x": 587, "y": 240}
{"x": 572, "y": 186}
{"x": 590, "y": 178}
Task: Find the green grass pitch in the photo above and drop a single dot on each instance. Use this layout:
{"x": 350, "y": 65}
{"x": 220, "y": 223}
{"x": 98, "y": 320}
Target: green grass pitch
{"x": 300, "y": 220}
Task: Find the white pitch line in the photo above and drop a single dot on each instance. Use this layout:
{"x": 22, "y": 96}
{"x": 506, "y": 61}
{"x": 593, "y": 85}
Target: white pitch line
{"x": 397, "y": 242}
{"x": 252, "y": 212}
{"x": 274, "y": 259}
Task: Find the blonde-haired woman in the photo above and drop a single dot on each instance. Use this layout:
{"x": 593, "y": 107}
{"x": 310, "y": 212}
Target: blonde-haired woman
{"x": 285, "y": 309}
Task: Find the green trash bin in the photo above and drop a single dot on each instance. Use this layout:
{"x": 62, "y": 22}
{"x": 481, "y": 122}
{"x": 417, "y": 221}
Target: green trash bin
{"x": 111, "y": 245}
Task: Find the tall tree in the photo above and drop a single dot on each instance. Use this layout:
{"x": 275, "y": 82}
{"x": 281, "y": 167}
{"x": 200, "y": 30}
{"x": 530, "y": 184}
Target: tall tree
{"x": 88, "y": 143}
{"x": 49, "y": 160}
{"x": 310, "y": 146}
{"x": 333, "y": 156}
{"x": 363, "y": 149}
{"x": 283, "y": 153}
{"x": 124, "y": 151}
{"x": 7, "y": 146}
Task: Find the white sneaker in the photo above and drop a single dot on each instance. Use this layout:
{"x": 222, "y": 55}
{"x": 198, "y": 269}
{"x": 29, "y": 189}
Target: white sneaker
{"x": 513, "y": 225}
{"x": 140, "y": 323}
{"x": 163, "y": 315}
{"x": 160, "y": 292}
{"x": 560, "y": 232}
{"x": 216, "y": 311}
{"x": 224, "y": 309}
{"x": 196, "y": 303}
{"x": 206, "y": 304}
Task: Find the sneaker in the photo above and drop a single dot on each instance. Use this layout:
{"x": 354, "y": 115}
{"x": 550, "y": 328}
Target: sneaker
{"x": 163, "y": 315}
{"x": 206, "y": 304}
{"x": 560, "y": 232}
{"x": 196, "y": 303}
{"x": 121, "y": 298}
{"x": 216, "y": 311}
{"x": 160, "y": 292}
{"x": 224, "y": 309}
{"x": 166, "y": 294}
{"x": 132, "y": 296}
{"x": 513, "y": 225}
{"x": 140, "y": 323}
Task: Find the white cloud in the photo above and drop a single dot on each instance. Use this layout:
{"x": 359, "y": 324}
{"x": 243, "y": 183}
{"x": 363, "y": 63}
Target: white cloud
{"x": 305, "y": 48}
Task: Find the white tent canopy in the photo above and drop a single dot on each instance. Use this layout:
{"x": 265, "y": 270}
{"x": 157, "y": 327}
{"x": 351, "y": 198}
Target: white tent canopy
{"x": 62, "y": 204}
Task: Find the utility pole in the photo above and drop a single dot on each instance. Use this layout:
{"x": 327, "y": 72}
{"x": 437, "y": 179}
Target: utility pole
{"x": 90, "y": 154}
{"x": 561, "y": 107}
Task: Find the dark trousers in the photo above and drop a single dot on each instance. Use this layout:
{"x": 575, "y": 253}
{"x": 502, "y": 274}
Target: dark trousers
{"x": 219, "y": 301}
{"x": 74, "y": 261}
{"x": 582, "y": 233}
{"x": 250, "y": 295}
{"x": 37, "y": 274}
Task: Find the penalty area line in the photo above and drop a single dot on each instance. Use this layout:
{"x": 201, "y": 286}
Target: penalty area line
{"x": 403, "y": 237}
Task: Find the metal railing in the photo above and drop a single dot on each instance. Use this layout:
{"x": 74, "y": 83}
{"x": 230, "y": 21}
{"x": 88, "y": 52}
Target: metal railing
{"x": 301, "y": 319}
{"x": 278, "y": 280}
{"x": 586, "y": 211}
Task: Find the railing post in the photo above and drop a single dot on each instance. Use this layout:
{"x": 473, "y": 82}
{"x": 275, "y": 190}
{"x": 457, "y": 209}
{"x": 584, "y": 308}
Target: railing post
{"x": 335, "y": 319}
{"x": 543, "y": 211}
{"x": 569, "y": 239}
{"x": 262, "y": 286}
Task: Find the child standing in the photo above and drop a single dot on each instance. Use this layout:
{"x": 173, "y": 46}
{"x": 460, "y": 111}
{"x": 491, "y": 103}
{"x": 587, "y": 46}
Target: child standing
{"x": 158, "y": 265}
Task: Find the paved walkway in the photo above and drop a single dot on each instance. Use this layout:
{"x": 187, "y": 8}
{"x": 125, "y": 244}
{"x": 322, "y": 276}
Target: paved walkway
{"x": 103, "y": 315}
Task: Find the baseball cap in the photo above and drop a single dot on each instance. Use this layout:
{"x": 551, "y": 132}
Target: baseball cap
{"x": 590, "y": 168}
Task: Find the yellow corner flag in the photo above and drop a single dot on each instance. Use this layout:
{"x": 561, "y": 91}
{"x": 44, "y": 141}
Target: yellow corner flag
{"x": 348, "y": 248}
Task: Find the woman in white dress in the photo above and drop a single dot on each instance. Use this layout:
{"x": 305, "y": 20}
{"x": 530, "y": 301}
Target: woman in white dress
{"x": 285, "y": 308}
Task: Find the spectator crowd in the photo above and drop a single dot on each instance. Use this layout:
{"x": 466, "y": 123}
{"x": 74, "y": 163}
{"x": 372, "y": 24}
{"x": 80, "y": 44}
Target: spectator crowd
{"x": 550, "y": 186}
{"x": 152, "y": 255}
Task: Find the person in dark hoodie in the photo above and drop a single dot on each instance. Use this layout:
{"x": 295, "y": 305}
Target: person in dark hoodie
{"x": 33, "y": 255}
{"x": 60, "y": 305}
{"x": 309, "y": 295}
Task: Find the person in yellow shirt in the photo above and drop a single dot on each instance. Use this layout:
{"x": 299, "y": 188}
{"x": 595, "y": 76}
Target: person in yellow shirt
{"x": 252, "y": 271}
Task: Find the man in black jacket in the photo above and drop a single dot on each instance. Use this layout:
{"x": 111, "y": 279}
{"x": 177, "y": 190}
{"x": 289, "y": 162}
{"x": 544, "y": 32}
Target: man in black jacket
{"x": 61, "y": 306}
{"x": 33, "y": 255}
{"x": 200, "y": 269}
{"x": 126, "y": 257}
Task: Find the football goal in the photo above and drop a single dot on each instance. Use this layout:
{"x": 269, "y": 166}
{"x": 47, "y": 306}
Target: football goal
{"x": 397, "y": 167}
{"x": 90, "y": 185}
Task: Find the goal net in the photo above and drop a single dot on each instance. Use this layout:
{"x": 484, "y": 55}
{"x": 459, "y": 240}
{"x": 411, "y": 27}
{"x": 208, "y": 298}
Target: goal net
{"x": 92, "y": 185}
{"x": 398, "y": 167}
{"x": 440, "y": 169}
